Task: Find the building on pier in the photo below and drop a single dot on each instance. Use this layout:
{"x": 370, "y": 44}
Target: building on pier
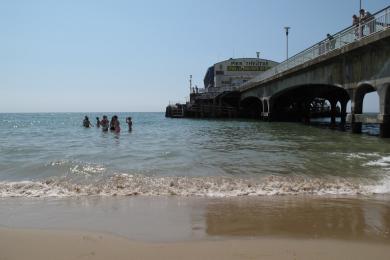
{"x": 223, "y": 80}
{"x": 234, "y": 72}
{"x": 231, "y": 73}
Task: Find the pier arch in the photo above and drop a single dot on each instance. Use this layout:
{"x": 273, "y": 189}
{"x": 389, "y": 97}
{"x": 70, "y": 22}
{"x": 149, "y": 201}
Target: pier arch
{"x": 251, "y": 107}
{"x": 357, "y": 99}
{"x": 371, "y": 102}
{"x": 300, "y": 103}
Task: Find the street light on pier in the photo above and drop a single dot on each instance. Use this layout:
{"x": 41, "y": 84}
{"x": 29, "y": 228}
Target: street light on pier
{"x": 190, "y": 83}
{"x": 287, "y": 29}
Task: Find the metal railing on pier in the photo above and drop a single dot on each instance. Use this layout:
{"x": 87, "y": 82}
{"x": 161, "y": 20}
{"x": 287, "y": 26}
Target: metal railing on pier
{"x": 215, "y": 90}
{"x": 211, "y": 92}
{"x": 375, "y": 23}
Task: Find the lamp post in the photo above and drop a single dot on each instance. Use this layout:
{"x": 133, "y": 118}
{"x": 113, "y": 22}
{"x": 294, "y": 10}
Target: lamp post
{"x": 287, "y": 29}
{"x": 360, "y": 20}
{"x": 190, "y": 83}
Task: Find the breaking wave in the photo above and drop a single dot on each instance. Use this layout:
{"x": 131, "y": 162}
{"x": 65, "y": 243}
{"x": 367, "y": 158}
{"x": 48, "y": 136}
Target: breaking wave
{"x": 131, "y": 185}
{"x": 382, "y": 162}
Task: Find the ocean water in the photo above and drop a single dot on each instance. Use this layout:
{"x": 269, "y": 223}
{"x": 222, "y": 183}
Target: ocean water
{"x": 52, "y": 155}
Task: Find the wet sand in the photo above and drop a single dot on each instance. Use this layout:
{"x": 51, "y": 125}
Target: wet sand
{"x": 40, "y": 245}
{"x": 277, "y": 227}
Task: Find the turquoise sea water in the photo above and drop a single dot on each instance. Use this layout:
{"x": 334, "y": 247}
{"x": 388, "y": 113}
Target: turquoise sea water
{"x": 53, "y": 155}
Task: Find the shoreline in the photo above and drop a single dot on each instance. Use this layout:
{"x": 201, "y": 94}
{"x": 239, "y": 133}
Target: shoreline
{"x": 50, "y": 244}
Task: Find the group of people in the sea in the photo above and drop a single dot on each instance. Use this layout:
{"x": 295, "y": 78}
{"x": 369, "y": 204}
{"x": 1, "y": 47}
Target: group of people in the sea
{"x": 105, "y": 124}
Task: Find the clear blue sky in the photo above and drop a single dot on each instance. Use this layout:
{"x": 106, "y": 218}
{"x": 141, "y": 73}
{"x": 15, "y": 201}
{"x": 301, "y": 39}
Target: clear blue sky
{"x": 116, "y": 55}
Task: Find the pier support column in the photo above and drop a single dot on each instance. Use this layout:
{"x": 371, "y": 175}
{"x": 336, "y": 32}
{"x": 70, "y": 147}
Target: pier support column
{"x": 384, "y": 108}
{"x": 269, "y": 103}
{"x": 356, "y": 108}
{"x": 214, "y": 108}
{"x": 306, "y": 112}
{"x": 384, "y": 128}
{"x": 356, "y": 127}
{"x": 265, "y": 113}
{"x": 343, "y": 114}
{"x": 263, "y": 109}
{"x": 333, "y": 103}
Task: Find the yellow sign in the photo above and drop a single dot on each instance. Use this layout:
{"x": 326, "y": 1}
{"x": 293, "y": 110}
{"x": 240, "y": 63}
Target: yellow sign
{"x": 247, "y": 68}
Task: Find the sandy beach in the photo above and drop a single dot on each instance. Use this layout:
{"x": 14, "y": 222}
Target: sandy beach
{"x": 38, "y": 244}
{"x": 177, "y": 228}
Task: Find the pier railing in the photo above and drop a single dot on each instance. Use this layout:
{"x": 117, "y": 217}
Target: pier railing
{"x": 375, "y": 23}
{"x": 212, "y": 92}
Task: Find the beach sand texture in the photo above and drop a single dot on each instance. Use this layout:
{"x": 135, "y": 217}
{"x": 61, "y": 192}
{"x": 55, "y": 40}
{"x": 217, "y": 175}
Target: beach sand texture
{"x": 40, "y": 245}
{"x": 163, "y": 228}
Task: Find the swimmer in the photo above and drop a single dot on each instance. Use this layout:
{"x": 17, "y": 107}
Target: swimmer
{"x": 117, "y": 127}
{"x": 98, "y": 123}
{"x": 129, "y": 123}
{"x": 105, "y": 124}
{"x": 86, "y": 122}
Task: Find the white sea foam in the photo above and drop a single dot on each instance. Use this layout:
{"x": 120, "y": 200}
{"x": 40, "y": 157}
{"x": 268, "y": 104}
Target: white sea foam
{"x": 79, "y": 168}
{"x": 129, "y": 185}
{"x": 382, "y": 187}
{"x": 382, "y": 162}
{"x": 57, "y": 163}
{"x": 351, "y": 156}
{"x": 33, "y": 189}
{"x": 87, "y": 169}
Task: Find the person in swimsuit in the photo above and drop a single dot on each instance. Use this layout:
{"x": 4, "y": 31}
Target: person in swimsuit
{"x": 86, "y": 122}
{"x": 105, "y": 124}
{"x": 129, "y": 123}
{"x": 98, "y": 123}
{"x": 117, "y": 127}
{"x": 112, "y": 123}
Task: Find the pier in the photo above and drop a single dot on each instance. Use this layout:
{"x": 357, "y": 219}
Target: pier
{"x": 342, "y": 68}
